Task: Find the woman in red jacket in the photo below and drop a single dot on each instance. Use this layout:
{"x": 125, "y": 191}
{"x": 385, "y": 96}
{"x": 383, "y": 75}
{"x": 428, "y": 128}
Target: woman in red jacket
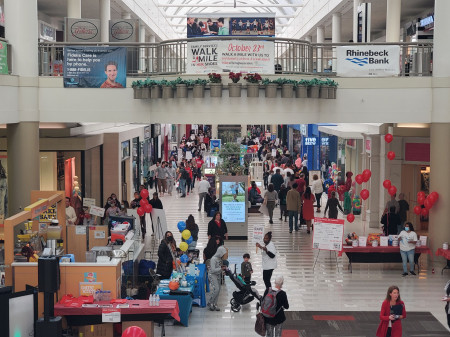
{"x": 392, "y": 312}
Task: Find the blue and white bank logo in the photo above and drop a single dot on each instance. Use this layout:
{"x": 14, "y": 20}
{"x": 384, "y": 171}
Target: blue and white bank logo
{"x": 360, "y": 61}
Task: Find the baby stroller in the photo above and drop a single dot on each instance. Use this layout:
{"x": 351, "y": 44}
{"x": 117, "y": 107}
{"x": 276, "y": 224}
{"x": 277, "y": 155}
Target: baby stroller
{"x": 246, "y": 293}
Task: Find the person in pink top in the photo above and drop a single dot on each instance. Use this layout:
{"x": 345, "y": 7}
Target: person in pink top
{"x": 298, "y": 161}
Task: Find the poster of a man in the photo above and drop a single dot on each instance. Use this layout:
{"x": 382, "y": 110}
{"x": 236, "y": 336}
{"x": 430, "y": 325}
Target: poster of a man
{"x": 111, "y": 75}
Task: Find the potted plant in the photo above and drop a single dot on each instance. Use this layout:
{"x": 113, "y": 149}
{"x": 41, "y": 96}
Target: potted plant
{"x": 167, "y": 88}
{"x": 287, "y": 88}
{"x": 199, "y": 88}
{"x": 235, "y": 87}
{"x": 253, "y": 84}
{"x": 314, "y": 86}
{"x": 182, "y": 88}
{"x": 155, "y": 89}
{"x": 137, "y": 89}
{"x": 301, "y": 89}
{"x": 215, "y": 84}
{"x": 271, "y": 88}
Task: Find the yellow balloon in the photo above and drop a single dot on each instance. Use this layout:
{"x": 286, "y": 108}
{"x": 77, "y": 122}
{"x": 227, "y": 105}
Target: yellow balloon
{"x": 184, "y": 246}
{"x": 186, "y": 234}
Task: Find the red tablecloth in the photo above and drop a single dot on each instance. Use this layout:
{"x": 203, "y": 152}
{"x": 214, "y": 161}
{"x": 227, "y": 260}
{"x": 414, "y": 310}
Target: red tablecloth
{"x": 443, "y": 252}
{"x": 388, "y": 249}
{"x": 143, "y": 307}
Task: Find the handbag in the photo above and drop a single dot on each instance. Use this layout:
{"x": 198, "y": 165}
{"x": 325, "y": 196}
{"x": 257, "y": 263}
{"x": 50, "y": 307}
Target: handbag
{"x": 260, "y": 324}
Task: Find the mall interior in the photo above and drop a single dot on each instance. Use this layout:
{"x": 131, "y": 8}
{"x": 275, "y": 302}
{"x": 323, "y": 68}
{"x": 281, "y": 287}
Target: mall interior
{"x": 344, "y": 86}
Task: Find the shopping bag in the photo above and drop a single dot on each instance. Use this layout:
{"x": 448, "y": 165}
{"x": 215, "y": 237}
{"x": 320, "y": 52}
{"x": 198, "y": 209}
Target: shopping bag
{"x": 263, "y": 209}
{"x": 260, "y": 325}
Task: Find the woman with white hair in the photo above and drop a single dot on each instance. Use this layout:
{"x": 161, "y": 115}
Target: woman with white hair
{"x": 274, "y": 325}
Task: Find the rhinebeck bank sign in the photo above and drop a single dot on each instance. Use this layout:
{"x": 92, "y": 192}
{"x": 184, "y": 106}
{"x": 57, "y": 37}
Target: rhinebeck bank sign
{"x": 232, "y": 55}
{"x": 368, "y": 61}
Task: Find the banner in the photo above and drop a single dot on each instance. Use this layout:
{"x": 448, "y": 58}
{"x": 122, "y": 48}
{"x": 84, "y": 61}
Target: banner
{"x": 215, "y": 145}
{"x": 233, "y": 55}
{"x": 230, "y": 26}
{"x": 368, "y": 61}
{"x": 3, "y": 58}
{"x": 328, "y": 234}
{"x": 95, "y": 67}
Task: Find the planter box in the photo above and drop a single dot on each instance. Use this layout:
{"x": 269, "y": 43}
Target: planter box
{"x": 301, "y": 91}
{"x": 182, "y": 91}
{"x": 146, "y": 93}
{"x": 199, "y": 91}
{"x": 271, "y": 90}
{"x": 332, "y": 92}
{"x": 234, "y": 89}
{"x": 287, "y": 90}
{"x": 167, "y": 92}
{"x": 252, "y": 90}
{"x": 314, "y": 92}
{"x": 137, "y": 93}
{"x": 156, "y": 91}
{"x": 323, "y": 91}
{"x": 215, "y": 89}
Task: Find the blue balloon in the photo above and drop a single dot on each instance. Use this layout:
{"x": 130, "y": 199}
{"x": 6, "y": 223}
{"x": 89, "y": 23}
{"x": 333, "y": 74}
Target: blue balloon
{"x": 188, "y": 241}
{"x": 184, "y": 258}
{"x": 181, "y": 226}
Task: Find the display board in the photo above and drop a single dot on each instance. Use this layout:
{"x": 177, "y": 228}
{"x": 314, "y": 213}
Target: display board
{"x": 233, "y": 204}
{"x": 328, "y": 234}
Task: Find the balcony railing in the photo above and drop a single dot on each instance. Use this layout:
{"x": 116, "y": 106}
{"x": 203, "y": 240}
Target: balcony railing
{"x": 291, "y": 57}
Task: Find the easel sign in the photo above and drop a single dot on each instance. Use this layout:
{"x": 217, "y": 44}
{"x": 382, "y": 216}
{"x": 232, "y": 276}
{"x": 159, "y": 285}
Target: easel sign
{"x": 328, "y": 234}
{"x": 159, "y": 223}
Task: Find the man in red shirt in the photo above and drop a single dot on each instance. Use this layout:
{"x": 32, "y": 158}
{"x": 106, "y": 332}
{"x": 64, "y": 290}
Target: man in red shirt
{"x": 301, "y": 184}
{"x": 199, "y": 161}
{"x": 250, "y": 187}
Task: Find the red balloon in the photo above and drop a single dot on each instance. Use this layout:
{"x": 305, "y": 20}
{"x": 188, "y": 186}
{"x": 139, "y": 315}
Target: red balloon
{"x": 434, "y": 196}
{"x": 366, "y": 175}
{"x": 148, "y": 208}
{"x": 364, "y": 194}
{"x": 428, "y": 204}
{"x": 134, "y": 331}
{"x": 387, "y": 184}
{"x": 388, "y": 138}
{"x": 359, "y": 179}
{"x": 420, "y": 199}
{"x": 350, "y": 217}
{"x": 144, "y": 193}
{"x": 140, "y": 211}
{"x": 424, "y": 212}
{"x": 143, "y": 202}
{"x": 421, "y": 194}
{"x": 391, "y": 155}
{"x": 417, "y": 209}
{"x": 392, "y": 190}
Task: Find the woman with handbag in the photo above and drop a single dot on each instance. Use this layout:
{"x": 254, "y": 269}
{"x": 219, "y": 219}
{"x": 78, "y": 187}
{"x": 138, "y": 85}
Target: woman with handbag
{"x": 391, "y": 315}
{"x": 270, "y": 198}
{"x": 274, "y": 325}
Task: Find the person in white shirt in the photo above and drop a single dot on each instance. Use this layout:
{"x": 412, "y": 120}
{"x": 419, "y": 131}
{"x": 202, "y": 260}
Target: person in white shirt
{"x": 305, "y": 160}
{"x": 203, "y": 187}
{"x": 408, "y": 239}
{"x": 269, "y": 258}
{"x": 317, "y": 189}
{"x": 71, "y": 215}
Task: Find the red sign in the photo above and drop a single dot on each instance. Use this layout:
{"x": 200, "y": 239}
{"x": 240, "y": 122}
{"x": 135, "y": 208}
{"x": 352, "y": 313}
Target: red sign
{"x": 419, "y": 152}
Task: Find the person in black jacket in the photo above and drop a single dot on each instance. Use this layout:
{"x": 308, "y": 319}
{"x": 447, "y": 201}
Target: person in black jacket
{"x": 166, "y": 253}
{"x": 447, "y": 300}
{"x": 274, "y": 325}
{"x": 193, "y": 228}
{"x": 156, "y": 202}
{"x": 217, "y": 227}
{"x": 390, "y": 221}
{"x": 277, "y": 180}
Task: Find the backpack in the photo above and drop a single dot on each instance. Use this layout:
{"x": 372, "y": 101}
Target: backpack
{"x": 269, "y": 304}
{"x": 185, "y": 174}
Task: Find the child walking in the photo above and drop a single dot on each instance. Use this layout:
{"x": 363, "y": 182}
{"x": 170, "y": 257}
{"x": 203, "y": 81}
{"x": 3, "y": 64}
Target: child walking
{"x": 246, "y": 268}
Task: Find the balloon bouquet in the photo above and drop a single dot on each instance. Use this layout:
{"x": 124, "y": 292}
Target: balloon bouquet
{"x": 184, "y": 246}
{"x": 364, "y": 177}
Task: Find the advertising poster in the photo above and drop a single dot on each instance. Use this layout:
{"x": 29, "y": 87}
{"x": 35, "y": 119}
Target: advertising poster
{"x": 368, "y": 61}
{"x": 82, "y": 30}
{"x": 89, "y": 288}
{"x": 123, "y": 30}
{"x": 243, "y": 151}
{"x": 215, "y": 145}
{"x": 233, "y": 201}
{"x": 49, "y": 214}
{"x": 3, "y": 58}
{"x": 233, "y": 55}
{"x": 90, "y": 277}
{"x": 328, "y": 234}
{"x": 230, "y": 26}
{"x": 95, "y": 67}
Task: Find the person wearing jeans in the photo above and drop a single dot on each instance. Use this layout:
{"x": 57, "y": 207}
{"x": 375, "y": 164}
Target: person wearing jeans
{"x": 293, "y": 204}
{"x": 203, "y": 188}
{"x": 408, "y": 239}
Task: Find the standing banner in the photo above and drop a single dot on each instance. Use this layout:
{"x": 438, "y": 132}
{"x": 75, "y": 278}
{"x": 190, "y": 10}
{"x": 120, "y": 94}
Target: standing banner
{"x": 3, "y": 58}
{"x": 328, "y": 234}
{"x": 95, "y": 67}
{"x": 368, "y": 61}
{"x": 233, "y": 55}
{"x": 215, "y": 145}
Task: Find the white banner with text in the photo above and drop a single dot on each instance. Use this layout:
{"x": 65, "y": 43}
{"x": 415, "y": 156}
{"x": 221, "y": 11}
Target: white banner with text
{"x": 237, "y": 56}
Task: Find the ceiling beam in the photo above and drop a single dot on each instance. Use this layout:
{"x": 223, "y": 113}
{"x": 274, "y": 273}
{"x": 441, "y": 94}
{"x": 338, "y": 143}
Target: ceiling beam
{"x": 229, "y": 5}
{"x": 192, "y": 14}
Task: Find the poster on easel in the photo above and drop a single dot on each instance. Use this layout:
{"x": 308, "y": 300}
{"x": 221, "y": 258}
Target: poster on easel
{"x": 159, "y": 223}
{"x": 328, "y": 234}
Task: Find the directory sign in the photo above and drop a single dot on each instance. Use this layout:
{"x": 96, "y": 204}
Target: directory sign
{"x": 233, "y": 201}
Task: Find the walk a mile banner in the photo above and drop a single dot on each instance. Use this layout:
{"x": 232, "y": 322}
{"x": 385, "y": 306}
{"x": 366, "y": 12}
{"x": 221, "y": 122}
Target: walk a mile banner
{"x": 368, "y": 61}
{"x": 232, "y": 55}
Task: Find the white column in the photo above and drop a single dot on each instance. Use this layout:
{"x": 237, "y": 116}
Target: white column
{"x": 441, "y": 66}
{"x": 374, "y": 183}
{"x": 243, "y": 130}
{"x": 74, "y": 9}
{"x": 320, "y": 39}
{"x": 393, "y": 13}
{"x": 126, "y": 15}
{"x": 335, "y": 34}
{"x": 308, "y": 38}
{"x": 151, "y": 54}
{"x": 356, "y": 3}
{"x": 105, "y": 16}
{"x": 142, "y": 51}
{"x": 214, "y": 131}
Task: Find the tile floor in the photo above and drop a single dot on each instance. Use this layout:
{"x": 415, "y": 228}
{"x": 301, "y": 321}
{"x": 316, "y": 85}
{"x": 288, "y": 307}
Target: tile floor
{"x": 329, "y": 287}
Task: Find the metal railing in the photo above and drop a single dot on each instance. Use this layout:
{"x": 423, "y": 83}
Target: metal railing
{"x": 291, "y": 56}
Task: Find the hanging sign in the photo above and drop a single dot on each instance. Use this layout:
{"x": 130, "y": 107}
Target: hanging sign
{"x": 82, "y": 30}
